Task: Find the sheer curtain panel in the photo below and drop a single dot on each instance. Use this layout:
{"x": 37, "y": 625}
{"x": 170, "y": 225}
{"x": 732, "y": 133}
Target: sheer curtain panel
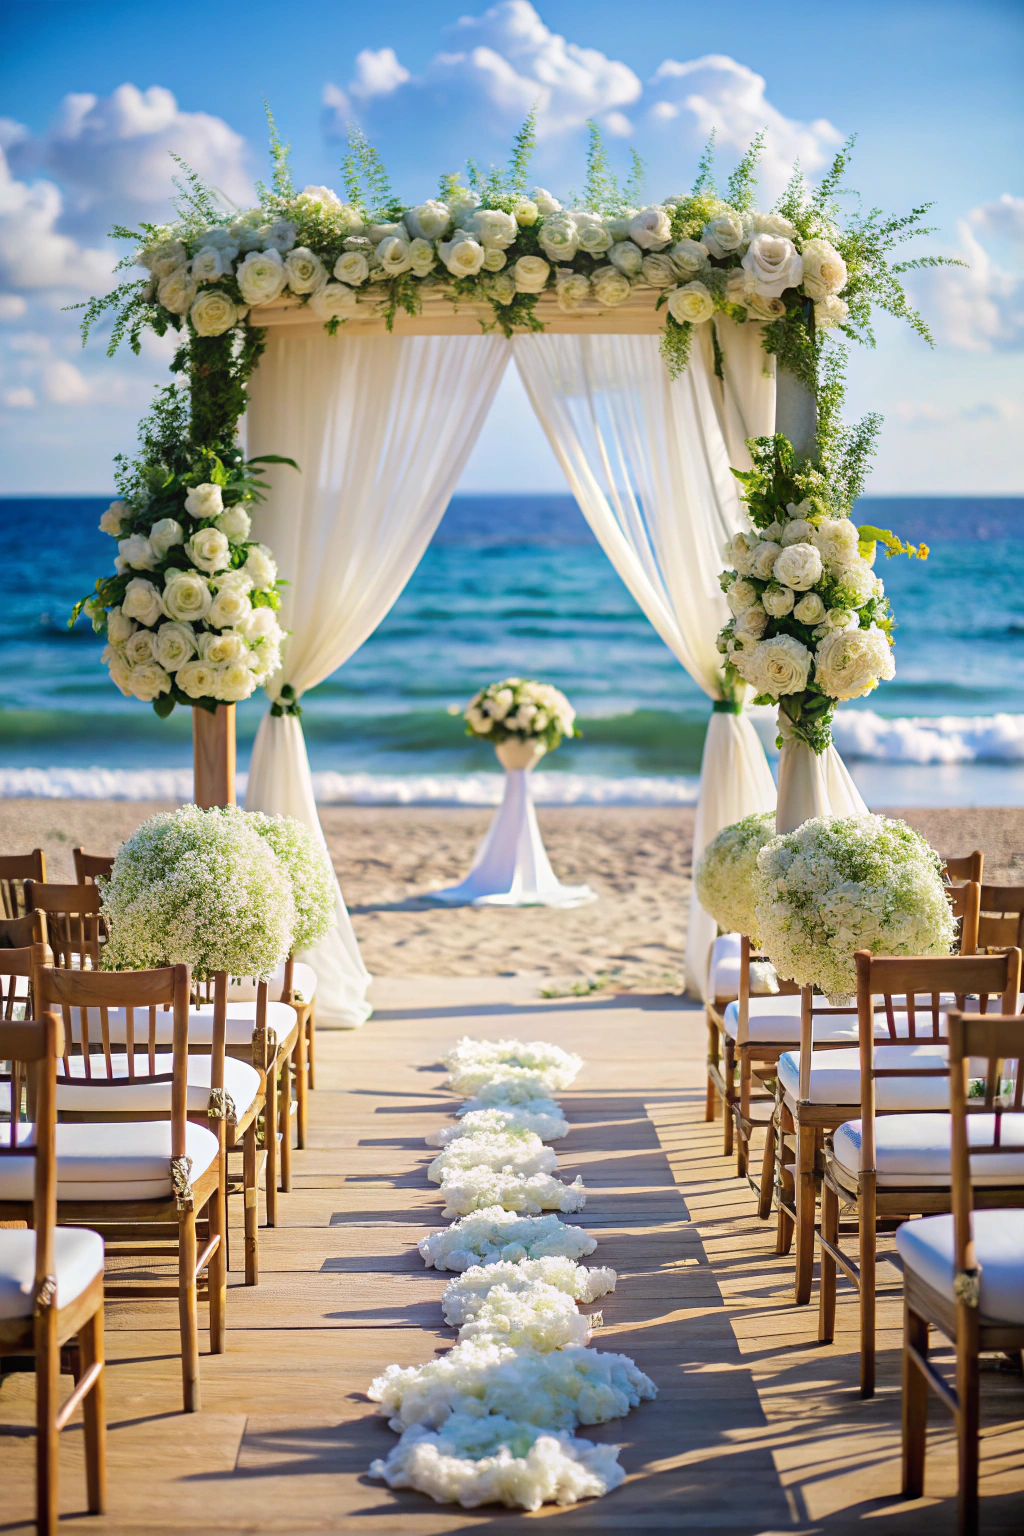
{"x": 381, "y": 428}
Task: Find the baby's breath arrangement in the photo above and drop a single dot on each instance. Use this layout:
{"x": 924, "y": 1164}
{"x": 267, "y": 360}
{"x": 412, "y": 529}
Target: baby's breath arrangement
{"x": 304, "y": 859}
{"x": 724, "y": 876}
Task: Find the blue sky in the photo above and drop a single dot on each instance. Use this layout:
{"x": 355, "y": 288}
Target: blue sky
{"x": 93, "y": 96}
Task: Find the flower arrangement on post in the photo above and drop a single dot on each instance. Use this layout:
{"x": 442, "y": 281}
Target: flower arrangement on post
{"x": 725, "y": 875}
{"x": 521, "y": 710}
{"x": 305, "y": 861}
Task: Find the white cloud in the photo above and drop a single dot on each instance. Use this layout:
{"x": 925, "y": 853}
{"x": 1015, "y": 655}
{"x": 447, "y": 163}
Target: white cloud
{"x": 12, "y": 307}
{"x": 979, "y": 308}
{"x": 33, "y": 251}
{"x": 65, "y": 384}
{"x": 924, "y": 414}
{"x": 377, "y": 73}
{"x": 1003, "y": 217}
{"x": 22, "y": 399}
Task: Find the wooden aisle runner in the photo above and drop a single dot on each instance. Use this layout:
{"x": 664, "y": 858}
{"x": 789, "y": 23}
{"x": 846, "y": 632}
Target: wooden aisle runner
{"x": 755, "y": 1430}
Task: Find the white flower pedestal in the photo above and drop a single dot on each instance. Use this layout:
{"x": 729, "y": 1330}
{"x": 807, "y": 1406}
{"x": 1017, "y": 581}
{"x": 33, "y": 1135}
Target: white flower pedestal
{"x": 812, "y": 784}
{"x": 511, "y": 868}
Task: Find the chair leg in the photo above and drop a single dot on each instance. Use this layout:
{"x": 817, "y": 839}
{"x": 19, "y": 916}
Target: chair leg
{"x": 806, "y": 1144}
{"x": 711, "y": 1092}
{"x": 187, "y": 1317}
{"x": 784, "y": 1228}
{"x": 311, "y": 1044}
{"x": 251, "y": 1206}
{"x": 866, "y": 1221}
{"x": 729, "y": 1074}
{"x": 915, "y": 1404}
{"x": 827, "y": 1270}
{"x": 94, "y": 1416}
{"x": 743, "y": 1138}
{"x": 270, "y": 1139}
{"x": 47, "y": 1407}
{"x": 284, "y": 1115}
{"x": 302, "y": 1083}
{"x": 968, "y": 1395}
{"x": 217, "y": 1269}
{"x": 764, "y": 1202}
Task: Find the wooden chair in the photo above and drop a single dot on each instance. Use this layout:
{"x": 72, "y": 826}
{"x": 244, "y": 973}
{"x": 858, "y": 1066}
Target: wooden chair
{"x": 75, "y": 927}
{"x": 729, "y": 976}
{"x": 90, "y": 866}
{"x": 968, "y": 867}
{"x": 132, "y": 1163}
{"x": 964, "y": 1273}
{"x": 1001, "y": 920}
{"x": 51, "y": 1278}
{"x": 15, "y": 869}
{"x": 17, "y": 935}
{"x": 899, "y": 1167}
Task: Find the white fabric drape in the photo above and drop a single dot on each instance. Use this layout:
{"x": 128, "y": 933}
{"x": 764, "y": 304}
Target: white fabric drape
{"x": 812, "y": 785}
{"x": 648, "y": 460}
{"x": 381, "y": 428}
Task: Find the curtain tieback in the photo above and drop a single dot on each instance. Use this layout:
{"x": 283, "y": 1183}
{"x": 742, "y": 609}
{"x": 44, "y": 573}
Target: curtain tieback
{"x": 287, "y": 702}
{"x": 726, "y": 707}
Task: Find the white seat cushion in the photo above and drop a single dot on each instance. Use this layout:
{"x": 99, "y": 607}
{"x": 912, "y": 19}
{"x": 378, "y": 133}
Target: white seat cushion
{"x": 724, "y": 971}
{"x": 776, "y": 1020}
{"x": 303, "y": 984}
{"x": 241, "y": 1081}
{"x": 915, "y": 1149}
{"x": 112, "y": 1160}
{"x": 926, "y": 1247}
{"x": 240, "y": 1023}
{"x": 835, "y": 1077}
{"x": 78, "y": 1259}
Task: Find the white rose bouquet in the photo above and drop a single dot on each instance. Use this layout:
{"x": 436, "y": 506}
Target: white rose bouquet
{"x": 519, "y": 709}
{"x": 839, "y": 884}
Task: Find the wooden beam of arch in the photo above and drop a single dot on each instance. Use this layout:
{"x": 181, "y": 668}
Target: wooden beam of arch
{"x": 439, "y": 317}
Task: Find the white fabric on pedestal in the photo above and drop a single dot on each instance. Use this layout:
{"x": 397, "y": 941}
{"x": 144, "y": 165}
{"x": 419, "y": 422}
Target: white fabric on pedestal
{"x": 381, "y": 428}
{"x": 648, "y": 461}
{"x": 813, "y": 785}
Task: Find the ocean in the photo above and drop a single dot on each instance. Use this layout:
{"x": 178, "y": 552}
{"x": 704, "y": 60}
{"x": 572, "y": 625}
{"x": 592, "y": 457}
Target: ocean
{"x": 518, "y": 585}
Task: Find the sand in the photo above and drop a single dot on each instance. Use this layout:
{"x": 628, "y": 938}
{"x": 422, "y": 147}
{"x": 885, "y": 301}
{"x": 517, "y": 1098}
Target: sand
{"x": 636, "y": 858}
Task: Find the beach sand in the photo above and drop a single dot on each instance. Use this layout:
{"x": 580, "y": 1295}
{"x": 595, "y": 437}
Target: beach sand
{"x": 637, "y": 858}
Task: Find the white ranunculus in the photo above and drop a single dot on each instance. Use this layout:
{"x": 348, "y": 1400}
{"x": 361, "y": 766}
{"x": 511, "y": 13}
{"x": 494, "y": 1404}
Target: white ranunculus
{"x": 849, "y": 663}
{"x": 137, "y": 552}
{"x": 175, "y": 644}
{"x": 261, "y": 277}
{"x": 772, "y": 264}
{"x": 571, "y": 290}
{"x": 210, "y": 264}
{"x": 352, "y": 268}
{"x": 810, "y": 609}
{"x": 229, "y": 646}
{"x": 799, "y": 531}
{"x": 119, "y": 627}
{"x": 120, "y": 671}
{"x": 204, "y": 501}
{"x": 213, "y": 313}
{"x": 197, "y": 679}
{"x": 261, "y": 566}
{"x": 429, "y": 220}
{"x": 140, "y": 647}
{"x": 691, "y": 304}
{"x": 689, "y": 257}
{"x": 113, "y": 518}
{"x": 525, "y": 212}
{"x": 778, "y": 601}
{"x": 209, "y": 550}
{"x": 230, "y": 608}
{"x": 629, "y": 258}
{"x": 830, "y": 312}
{"x": 559, "y": 237}
{"x": 531, "y": 274}
{"x": 727, "y": 234}
{"x": 148, "y": 680}
{"x": 762, "y": 308}
{"x": 494, "y": 259}
{"x": 741, "y": 596}
{"x": 235, "y": 523}
{"x": 650, "y": 228}
{"x": 799, "y": 566}
{"x": 233, "y": 681}
{"x": 176, "y": 291}
{"x": 824, "y": 270}
{"x": 142, "y": 601}
{"x": 752, "y": 622}
{"x": 165, "y": 534}
{"x": 658, "y": 272}
{"x": 776, "y": 667}
{"x": 546, "y": 204}
{"x": 765, "y": 556}
{"x": 261, "y": 624}
{"x": 592, "y": 232}
{"x": 421, "y": 257}
{"x": 837, "y": 538}
{"x": 462, "y": 255}
{"x": 304, "y": 270}
{"x": 610, "y": 286}
{"x": 502, "y": 288}
{"x": 333, "y": 301}
{"x": 279, "y": 236}
{"x": 186, "y": 595}
{"x": 772, "y": 224}
{"x": 493, "y": 228}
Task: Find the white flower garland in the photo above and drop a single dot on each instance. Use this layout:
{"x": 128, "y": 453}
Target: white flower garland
{"x": 538, "y": 1316}
{"x": 476, "y": 1189}
{"x": 494, "y": 1234}
{"x": 520, "y": 1152}
{"x": 472, "y": 1064}
{"x": 541, "y": 1117}
{"x": 463, "y": 1297}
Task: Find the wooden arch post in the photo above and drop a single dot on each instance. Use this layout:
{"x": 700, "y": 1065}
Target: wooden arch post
{"x": 213, "y": 755}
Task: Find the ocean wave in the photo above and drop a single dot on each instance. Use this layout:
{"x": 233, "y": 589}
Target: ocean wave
{"x": 862, "y": 734}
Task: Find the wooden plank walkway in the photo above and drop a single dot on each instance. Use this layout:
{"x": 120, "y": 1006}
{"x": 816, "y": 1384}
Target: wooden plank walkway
{"x": 756, "y": 1429}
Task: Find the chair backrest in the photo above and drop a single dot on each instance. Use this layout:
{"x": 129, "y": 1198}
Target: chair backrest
{"x": 75, "y": 927}
{"x": 1001, "y": 917}
{"x": 15, "y": 869}
{"x": 89, "y": 865}
{"x": 900, "y": 982}
{"x": 16, "y": 962}
{"x": 995, "y": 1039}
{"x": 32, "y": 1046}
{"x": 968, "y": 867}
{"x": 965, "y": 904}
{"x": 749, "y": 954}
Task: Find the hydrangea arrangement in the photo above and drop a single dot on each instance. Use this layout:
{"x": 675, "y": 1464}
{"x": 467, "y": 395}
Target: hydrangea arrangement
{"x": 199, "y": 888}
{"x": 511, "y": 1087}
{"x": 515, "y": 1151}
{"x": 304, "y": 858}
{"x": 519, "y": 709}
{"x": 493, "y": 1235}
{"x": 535, "y": 1316}
{"x": 481, "y": 1187}
{"x": 473, "y": 1063}
{"x": 839, "y": 884}
{"x": 541, "y": 1117}
{"x": 463, "y": 1297}
{"x": 725, "y": 874}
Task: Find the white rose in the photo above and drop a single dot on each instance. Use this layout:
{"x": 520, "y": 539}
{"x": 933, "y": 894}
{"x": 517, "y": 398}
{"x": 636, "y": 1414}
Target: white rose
{"x": 246, "y": 235}
{"x": 461, "y": 202}
{"x": 650, "y": 228}
{"x": 165, "y": 534}
{"x": 772, "y": 264}
{"x": 238, "y": 581}
{"x": 559, "y": 237}
{"x": 333, "y": 301}
{"x": 264, "y": 662}
{"x": 799, "y": 531}
{"x": 120, "y": 671}
{"x": 429, "y": 220}
{"x": 136, "y": 551}
{"x": 186, "y": 595}
{"x": 147, "y": 681}
{"x": 175, "y": 644}
{"x": 762, "y": 308}
{"x": 220, "y": 239}
{"x": 849, "y": 663}
{"x": 261, "y": 624}
{"x": 210, "y": 264}
{"x": 776, "y": 667}
{"x": 213, "y": 313}
{"x": 494, "y": 259}
{"x": 233, "y": 681}
{"x": 592, "y": 232}
{"x": 229, "y": 609}
{"x": 741, "y": 595}
{"x": 726, "y": 235}
{"x": 772, "y": 224}
{"x": 314, "y": 194}
{"x": 736, "y": 290}
{"x": 689, "y": 257}
{"x": 857, "y": 582}
{"x": 113, "y": 518}
{"x": 229, "y": 646}
{"x": 394, "y": 256}
{"x": 658, "y": 272}
{"x": 544, "y": 202}
{"x": 502, "y": 288}
{"x": 209, "y": 549}
{"x": 525, "y": 212}
{"x": 119, "y": 628}
{"x": 203, "y": 501}
{"x": 493, "y": 228}
{"x": 752, "y": 623}
{"x": 691, "y": 304}
{"x": 462, "y": 255}
{"x": 304, "y": 270}
{"x": 531, "y": 274}
{"x": 261, "y": 566}
{"x": 389, "y": 231}
{"x": 261, "y": 277}
{"x": 773, "y": 532}
{"x": 163, "y": 258}
{"x": 572, "y": 289}
{"x": 140, "y": 647}
{"x": 831, "y": 311}
{"x": 141, "y": 601}
{"x": 196, "y": 678}
{"x": 279, "y": 236}
{"x": 234, "y": 523}
{"x": 778, "y": 601}
{"x": 765, "y": 556}
{"x": 838, "y": 619}
{"x": 618, "y": 223}
{"x": 810, "y": 609}
{"x": 837, "y": 539}
{"x": 629, "y": 258}
{"x": 799, "y": 566}
{"x": 352, "y": 267}
{"x": 421, "y": 257}
{"x": 824, "y": 270}
{"x": 741, "y": 553}
{"x": 610, "y": 286}
{"x": 176, "y": 291}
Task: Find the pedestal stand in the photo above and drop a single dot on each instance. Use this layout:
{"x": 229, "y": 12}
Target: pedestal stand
{"x": 213, "y": 756}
